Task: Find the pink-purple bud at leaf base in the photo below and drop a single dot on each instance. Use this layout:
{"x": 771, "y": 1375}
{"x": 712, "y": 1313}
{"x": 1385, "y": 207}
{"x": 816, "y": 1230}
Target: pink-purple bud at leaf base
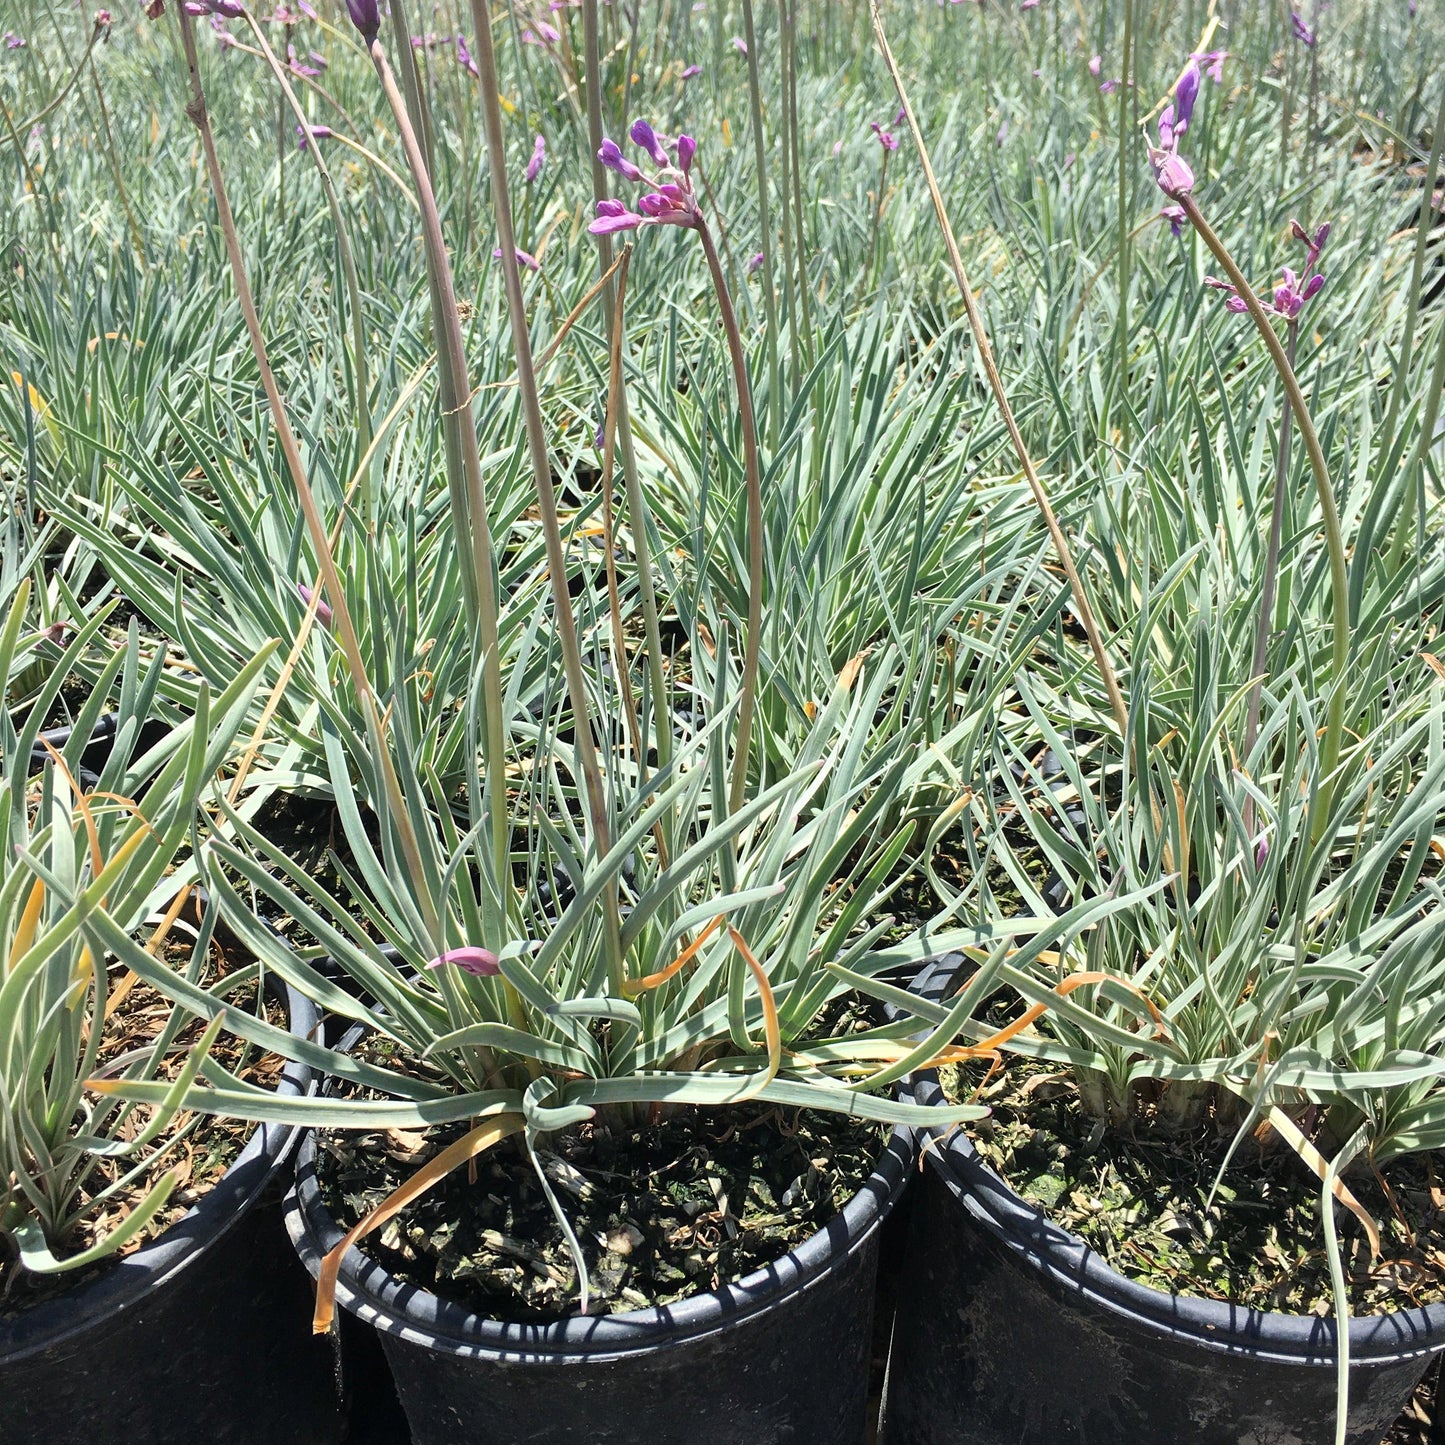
{"x": 1177, "y": 218}
{"x": 539, "y": 156}
{"x": 691, "y": 70}
{"x": 323, "y": 608}
{"x": 366, "y": 16}
{"x": 464, "y": 58}
{"x": 610, "y": 154}
{"x": 311, "y": 132}
{"x": 479, "y": 962}
{"x": 1321, "y": 236}
{"x": 755, "y": 263}
{"x": 686, "y": 150}
{"x": 645, "y": 138}
{"x": 524, "y": 258}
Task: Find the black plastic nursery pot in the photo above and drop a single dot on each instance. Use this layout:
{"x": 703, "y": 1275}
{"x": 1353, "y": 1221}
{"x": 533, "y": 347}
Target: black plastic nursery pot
{"x": 779, "y": 1357}
{"x": 1012, "y": 1329}
{"x": 202, "y": 1335}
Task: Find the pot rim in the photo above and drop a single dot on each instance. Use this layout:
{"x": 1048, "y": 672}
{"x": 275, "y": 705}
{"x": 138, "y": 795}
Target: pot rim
{"x": 128, "y": 1279}
{"x": 371, "y": 1292}
{"x": 1076, "y": 1269}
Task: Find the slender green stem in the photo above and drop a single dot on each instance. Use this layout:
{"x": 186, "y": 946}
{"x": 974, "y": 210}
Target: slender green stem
{"x": 348, "y": 265}
{"x": 25, "y": 127}
{"x": 875, "y": 260}
{"x": 1126, "y": 93}
{"x": 1329, "y": 509}
{"x": 345, "y": 629}
{"x": 636, "y": 503}
{"x": 1417, "y": 457}
{"x": 1417, "y": 273}
{"x": 1082, "y": 608}
{"x": 546, "y": 494}
{"x": 752, "y": 649}
{"x": 115, "y": 171}
{"x": 471, "y": 522}
{"x": 765, "y": 225}
{"x": 1270, "y": 574}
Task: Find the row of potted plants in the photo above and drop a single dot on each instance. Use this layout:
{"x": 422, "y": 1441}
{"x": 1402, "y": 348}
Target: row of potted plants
{"x": 610, "y": 862}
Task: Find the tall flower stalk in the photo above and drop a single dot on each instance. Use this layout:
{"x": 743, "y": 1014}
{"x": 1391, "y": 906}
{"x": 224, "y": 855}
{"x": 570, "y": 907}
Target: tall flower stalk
{"x": 622, "y": 422}
{"x": 1176, "y": 180}
{"x": 673, "y": 202}
{"x": 345, "y": 629}
{"x": 348, "y": 264}
{"x": 467, "y": 493}
{"x": 765, "y": 222}
{"x": 546, "y": 494}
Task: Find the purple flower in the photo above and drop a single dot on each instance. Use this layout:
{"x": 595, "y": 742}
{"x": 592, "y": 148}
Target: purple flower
{"x": 645, "y": 138}
{"x": 323, "y": 608}
{"x": 366, "y": 16}
{"x": 691, "y": 70}
{"x": 614, "y": 216}
{"x": 740, "y": 45}
{"x": 480, "y": 962}
{"x": 1213, "y": 63}
{"x": 886, "y": 138}
{"x": 1172, "y": 172}
{"x": 524, "y": 258}
{"x": 1302, "y": 32}
{"x": 610, "y": 154}
{"x": 755, "y": 263}
{"x": 549, "y": 35}
{"x": 102, "y": 19}
{"x": 669, "y": 203}
{"x": 1185, "y": 94}
{"x": 1029, "y": 5}
{"x": 311, "y": 132}
{"x": 296, "y": 67}
{"x": 464, "y": 57}
{"x": 539, "y": 156}
{"x": 1176, "y": 216}
{"x": 1096, "y": 64}
{"x": 14, "y": 41}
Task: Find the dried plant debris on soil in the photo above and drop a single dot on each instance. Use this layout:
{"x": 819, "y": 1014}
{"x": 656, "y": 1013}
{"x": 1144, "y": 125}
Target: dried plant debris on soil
{"x": 674, "y": 1208}
{"x": 199, "y": 1146}
{"x": 1139, "y": 1200}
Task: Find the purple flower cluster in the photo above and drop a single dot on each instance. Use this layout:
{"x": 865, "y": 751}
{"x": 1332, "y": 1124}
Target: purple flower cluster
{"x": 539, "y": 158}
{"x": 1302, "y": 32}
{"x": 1171, "y": 170}
{"x": 886, "y": 138}
{"x": 670, "y": 202}
{"x": 1293, "y": 289}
